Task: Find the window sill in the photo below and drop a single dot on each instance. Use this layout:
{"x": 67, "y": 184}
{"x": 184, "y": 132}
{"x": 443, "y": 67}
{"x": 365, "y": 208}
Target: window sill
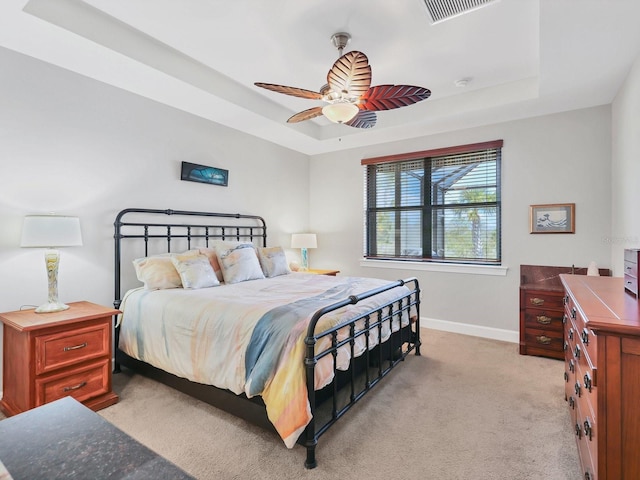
{"x": 495, "y": 270}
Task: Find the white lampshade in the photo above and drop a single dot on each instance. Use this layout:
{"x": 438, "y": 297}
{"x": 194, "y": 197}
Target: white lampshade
{"x": 51, "y": 231}
{"x": 304, "y": 240}
{"x": 340, "y": 112}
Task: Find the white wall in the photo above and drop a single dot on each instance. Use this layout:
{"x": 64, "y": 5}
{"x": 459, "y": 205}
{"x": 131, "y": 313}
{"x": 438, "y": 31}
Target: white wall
{"x": 562, "y": 158}
{"x": 75, "y": 146}
{"x": 626, "y": 168}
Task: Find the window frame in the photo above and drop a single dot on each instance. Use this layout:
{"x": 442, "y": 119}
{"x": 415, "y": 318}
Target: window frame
{"x": 427, "y": 156}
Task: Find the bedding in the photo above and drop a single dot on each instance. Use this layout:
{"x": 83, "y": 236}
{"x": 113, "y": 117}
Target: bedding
{"x": 248, "y": 337}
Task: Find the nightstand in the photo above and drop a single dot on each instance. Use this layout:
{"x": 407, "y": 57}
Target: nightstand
{"x": 48, "y": 356}
{"x": 331, "y": 273}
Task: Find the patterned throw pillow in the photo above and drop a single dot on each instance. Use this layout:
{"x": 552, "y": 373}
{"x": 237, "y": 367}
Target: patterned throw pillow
{"x": 273, "y": 261}
{"x": 239, "y": 263}
{"x": 195, "y": 271}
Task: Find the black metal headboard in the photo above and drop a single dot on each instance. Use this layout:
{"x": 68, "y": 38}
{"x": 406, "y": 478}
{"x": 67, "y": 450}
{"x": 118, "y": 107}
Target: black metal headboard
{"x": 149, "y": 226}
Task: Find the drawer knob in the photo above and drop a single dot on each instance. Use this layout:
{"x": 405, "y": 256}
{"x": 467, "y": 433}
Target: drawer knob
{"x": 572, "y": 403}
{"x": 566, "y": 377}
{"x": 587, "y": 429}
{"x": 578, "y": 430}
{"x": 543, "y": 339}
{"x": 74, "y": 387}
{"x": 573, "y": 313}
{"x": 537, "y": 301}
{"x": 587, "y": 381}
{"x": 571, "y": 333}
{"x": 543, "y": 319}
{"x": 572, "y": 366}
{"x": 585, "y": 336}
{"x": 577, "y": 389}
{"x": 576, "y": 352}
{"x": 75, "y": 347}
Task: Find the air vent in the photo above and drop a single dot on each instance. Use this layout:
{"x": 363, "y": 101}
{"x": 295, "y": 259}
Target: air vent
{"x": 441, "y": 10}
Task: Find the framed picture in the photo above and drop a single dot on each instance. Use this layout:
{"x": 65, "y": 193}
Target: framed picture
{"x": 192, "y": 172}
{"x": 553, "y": 218}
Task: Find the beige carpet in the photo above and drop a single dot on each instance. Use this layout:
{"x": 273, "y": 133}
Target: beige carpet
{"x": 468, "y": 408}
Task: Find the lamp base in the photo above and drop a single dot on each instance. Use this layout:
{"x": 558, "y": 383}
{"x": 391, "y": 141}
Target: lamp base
{"x": 51, "y": 307}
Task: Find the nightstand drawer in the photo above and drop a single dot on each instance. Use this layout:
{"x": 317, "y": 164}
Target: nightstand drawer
{"x": 60, "y": 349}
{"x": 82, "y": 383}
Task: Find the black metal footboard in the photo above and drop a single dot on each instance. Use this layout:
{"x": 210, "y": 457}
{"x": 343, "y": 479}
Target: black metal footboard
{"x": 401, "y": 316}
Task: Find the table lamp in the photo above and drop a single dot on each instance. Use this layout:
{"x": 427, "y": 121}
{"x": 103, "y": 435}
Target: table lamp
{"x": 51, "y": 232}
{"x": 304, "y": 241}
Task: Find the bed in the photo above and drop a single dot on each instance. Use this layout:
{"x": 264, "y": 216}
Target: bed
{"x": 288, "y": 351}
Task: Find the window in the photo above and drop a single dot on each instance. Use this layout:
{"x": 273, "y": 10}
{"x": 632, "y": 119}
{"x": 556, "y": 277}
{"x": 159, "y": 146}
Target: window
{"x": 438, "y": 205}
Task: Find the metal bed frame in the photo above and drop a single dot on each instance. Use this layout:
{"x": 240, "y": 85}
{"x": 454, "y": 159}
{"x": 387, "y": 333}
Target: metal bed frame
{"x": 328, "y": 404}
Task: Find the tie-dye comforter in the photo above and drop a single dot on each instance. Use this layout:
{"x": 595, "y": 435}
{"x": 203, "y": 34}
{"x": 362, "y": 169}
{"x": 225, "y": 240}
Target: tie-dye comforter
{"x": 248, "y": 337}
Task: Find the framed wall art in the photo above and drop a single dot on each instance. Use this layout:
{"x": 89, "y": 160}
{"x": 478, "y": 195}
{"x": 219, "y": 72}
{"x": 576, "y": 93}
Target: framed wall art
{"x": 553, "y": 218}
{"x": 193, "y": 172}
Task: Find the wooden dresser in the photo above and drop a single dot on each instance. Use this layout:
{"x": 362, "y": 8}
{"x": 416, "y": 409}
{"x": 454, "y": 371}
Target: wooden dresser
{"x": 631, "y": 258}
{"x": 48, "y": 356}
{"x": 541, "y": 309}
{"x": 602, "y": 375}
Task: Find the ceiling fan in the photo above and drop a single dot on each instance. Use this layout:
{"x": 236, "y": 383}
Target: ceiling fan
{"x": 350, "y": 98}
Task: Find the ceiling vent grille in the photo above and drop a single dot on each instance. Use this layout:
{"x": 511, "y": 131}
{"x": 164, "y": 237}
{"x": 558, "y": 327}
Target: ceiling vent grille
{"x": 441, "y": 10}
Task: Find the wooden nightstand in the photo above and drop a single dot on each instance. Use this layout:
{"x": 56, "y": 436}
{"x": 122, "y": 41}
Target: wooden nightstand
{"x": 48, "y": 356}
{"x": 331, "y": 273}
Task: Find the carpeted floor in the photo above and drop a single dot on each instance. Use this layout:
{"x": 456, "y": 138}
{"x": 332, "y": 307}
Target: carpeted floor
{"x": 468, "y": 408}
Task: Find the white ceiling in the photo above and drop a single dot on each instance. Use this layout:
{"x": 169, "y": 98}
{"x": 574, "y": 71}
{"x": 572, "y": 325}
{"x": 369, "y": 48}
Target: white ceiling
{"x": 523, "y": 57}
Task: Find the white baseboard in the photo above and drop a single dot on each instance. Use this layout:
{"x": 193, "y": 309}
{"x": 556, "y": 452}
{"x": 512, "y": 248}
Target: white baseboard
{"x": 469, "y": 329}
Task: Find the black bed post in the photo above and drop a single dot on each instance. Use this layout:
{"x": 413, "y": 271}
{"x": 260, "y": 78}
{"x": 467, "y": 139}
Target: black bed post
{"x": 117, "y": 300}
{"x": 311, "y": 439}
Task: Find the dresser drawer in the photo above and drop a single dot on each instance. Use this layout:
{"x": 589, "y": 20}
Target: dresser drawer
{"x": 61, "y": 349}
{"x": 631, "y": 284}
{"x": 545, "y": 339}
{"x": 543, "y": 319}
{"x": 81, "y": 383}
{"x": 534, "y": 299}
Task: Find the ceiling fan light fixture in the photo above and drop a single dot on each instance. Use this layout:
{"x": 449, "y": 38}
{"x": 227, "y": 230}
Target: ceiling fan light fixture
{"x": 340, "y": 112}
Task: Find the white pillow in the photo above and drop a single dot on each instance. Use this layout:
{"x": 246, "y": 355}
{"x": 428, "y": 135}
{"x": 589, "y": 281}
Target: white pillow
{"x": 239, "y": 263}
{"x": 273, "y": 261}
{"x": 195, "y": 271}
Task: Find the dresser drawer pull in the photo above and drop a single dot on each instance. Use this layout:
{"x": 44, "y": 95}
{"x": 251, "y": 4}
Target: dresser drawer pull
{"x": 75, "y": 347}
{"x": 565, "y": 346}
{"x": 587, "y": 476}
{"x": 576, "y": 351}
{"x": 537, "y": 301}
{"x": 577, "y": 389}
{"x": 587, "y": 381}
{"x": 543, "y": 339}
{"x": 585, "y": 336}
{"x": 564, "y": 319}
{"x": 573, "y": 312}
{"x": 75, "y": 387}
{"x": 571, "y": 333}
{"x": 565, "y": 299}
{"x": 578, "y": 430}
{"x": 543, "y": 319}
{"x": 572, "y": 403}
{"x": 572, "y": 366}
{"x": 566, "y": 377}
{"x": 587, "y": 429}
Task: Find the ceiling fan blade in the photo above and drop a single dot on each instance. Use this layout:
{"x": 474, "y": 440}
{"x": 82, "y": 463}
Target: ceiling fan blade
{"x": 387, "y": 97}
{"x": 306, "y": 115}
{"x": 351, "y": 74}
{"x": 293, "y": 91}
{"x": 363, "y": 119}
